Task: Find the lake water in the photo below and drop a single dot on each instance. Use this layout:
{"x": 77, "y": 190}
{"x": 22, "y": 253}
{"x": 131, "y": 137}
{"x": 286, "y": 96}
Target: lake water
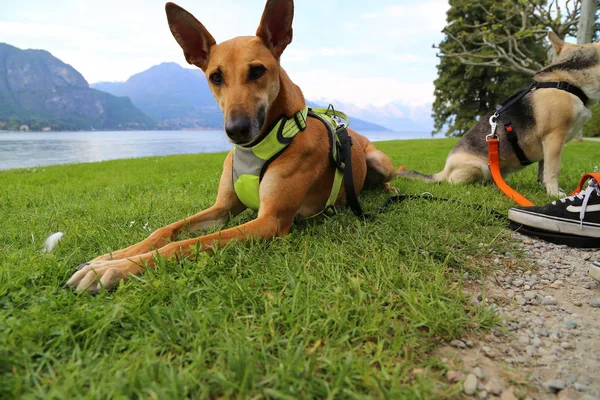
{"x": 22, "y": 150}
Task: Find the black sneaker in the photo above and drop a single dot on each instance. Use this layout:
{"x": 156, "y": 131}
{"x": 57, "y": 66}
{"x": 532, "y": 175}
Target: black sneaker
{"x": 570, "y": 221}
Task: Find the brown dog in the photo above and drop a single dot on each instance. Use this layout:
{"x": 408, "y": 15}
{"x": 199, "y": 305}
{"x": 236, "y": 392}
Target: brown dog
{"x": 545, "y": 120}
{"x": 254, "y": 92}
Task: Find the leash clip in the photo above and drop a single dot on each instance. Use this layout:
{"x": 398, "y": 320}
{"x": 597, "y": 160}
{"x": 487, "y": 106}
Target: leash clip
{"x": 493, "y": 125}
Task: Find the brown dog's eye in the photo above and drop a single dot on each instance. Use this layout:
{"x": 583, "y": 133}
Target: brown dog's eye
{"x": 256, "y": 72}
{"x": 216, "y": 78}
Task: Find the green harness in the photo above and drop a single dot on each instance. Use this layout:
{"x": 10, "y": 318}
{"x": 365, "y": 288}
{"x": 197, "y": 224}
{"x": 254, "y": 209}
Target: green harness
{"x": 250, "y": 163}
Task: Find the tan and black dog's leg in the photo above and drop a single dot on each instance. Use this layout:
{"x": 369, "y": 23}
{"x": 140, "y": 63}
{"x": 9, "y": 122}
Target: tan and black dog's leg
{"x": 553, "y": 145}
{"x": 225, "y": 205}
{"x": 540, "y": 177}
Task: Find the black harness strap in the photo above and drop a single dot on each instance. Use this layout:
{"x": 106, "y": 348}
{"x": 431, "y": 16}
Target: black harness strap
{"x": 567, "y": 87}
{"x": 342, "y": 161}
{"x": 346, "y": 157}
{"x": 511, "y": 134}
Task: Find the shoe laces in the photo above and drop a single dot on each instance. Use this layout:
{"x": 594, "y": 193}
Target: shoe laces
{"x": 585, "y": 196}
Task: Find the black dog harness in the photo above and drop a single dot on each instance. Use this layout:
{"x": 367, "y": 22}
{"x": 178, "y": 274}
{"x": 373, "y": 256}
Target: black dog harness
{"x": 511, "y": 134}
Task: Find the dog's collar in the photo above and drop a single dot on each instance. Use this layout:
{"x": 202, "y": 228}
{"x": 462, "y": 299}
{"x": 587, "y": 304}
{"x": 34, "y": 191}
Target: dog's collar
{"x": 566, "y": 86}
{"x": 250, "y": 162}
{"x": 284, "y": 129}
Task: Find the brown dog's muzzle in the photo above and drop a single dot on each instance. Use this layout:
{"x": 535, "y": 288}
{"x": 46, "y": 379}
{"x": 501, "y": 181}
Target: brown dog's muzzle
{"x": 239, "y": 129}
{"x": 242, "y": 129}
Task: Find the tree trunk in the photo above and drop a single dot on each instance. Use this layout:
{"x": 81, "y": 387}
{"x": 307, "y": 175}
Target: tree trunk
{"x": 586, "y": 21}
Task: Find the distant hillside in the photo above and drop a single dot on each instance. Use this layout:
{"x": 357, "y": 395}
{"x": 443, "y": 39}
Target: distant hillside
{"x": 39, "y": 90}
{"x": 355, "y": 123}
{"x": 177, "y": 97}
{"x": 396, "y": 116}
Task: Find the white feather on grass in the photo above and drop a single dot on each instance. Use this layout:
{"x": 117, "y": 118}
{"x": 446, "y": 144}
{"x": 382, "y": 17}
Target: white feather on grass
{"x": 52, "y": 241}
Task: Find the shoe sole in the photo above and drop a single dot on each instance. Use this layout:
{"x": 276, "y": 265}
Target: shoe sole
{"x": 580, "y": 242}
{"x": 553, "y": 224}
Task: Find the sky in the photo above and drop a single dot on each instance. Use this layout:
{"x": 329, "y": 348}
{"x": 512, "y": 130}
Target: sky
{"x": 358, "y": 51}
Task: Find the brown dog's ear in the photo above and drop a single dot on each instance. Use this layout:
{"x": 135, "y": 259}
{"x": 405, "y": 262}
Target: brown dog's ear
{"x": 191, "y": 35}
{"x": 557, "y": 42}
{"x": 275, "y": 27}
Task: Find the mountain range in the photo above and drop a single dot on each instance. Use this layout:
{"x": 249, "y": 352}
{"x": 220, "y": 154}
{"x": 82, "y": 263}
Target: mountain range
{"x": 39, "y": 91}
{"x": 178, "y": 97}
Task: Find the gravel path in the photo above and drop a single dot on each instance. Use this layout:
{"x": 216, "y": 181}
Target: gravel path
{"x": 550, "y": 347}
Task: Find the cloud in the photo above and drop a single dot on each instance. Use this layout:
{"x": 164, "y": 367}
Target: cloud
{"x": 373, "y": 53}
{"x": 362, "y": 90}
{"x": 405, "y": 58}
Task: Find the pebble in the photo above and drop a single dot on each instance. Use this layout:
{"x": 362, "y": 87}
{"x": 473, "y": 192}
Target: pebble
{"x": 529, "y": 295}
{"x": 570, "y": 324}
{"x": 470, "y": 385}
{"x": 508, "y": 395}
{"x": 555, "y": 385}
{"x": 557, "y": 285}
{"x": 458, "y": 344}
{"x": 483, "y": 394}
{"x": 549, "y": 301}
{"x": 566, "y": 345}
{"x": 489, "y": 352}
{"x": 569, "y": 394}
{"x": 518, "y": 282}
{"x": 595, "y": 304}
{"x": 581, "y": 387}
{"x": 594, "y": 272}
{"x": 495, "y": 386}
{"x": 454, "y": 376}
{"x": 577, "y": 303}
{"x": 478, "y": 372}
{"x": 524, "y": 339}
{"x": 590, "y": 285}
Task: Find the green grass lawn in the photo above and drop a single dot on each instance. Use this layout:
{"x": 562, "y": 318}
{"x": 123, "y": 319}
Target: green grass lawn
{"x": 340, "y": 308}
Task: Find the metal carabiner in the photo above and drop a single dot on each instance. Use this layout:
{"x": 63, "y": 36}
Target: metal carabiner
{"x": 493, "y": 125}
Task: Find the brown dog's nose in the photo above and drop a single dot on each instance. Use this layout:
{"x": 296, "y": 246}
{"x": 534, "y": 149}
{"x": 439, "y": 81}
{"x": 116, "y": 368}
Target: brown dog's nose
{"x": 238, "y": 129}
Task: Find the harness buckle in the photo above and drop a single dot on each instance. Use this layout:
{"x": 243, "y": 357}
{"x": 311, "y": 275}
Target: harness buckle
{"x": 493, "y": 125}
{"x": 330, "y": 211}
{"x": 300, "y": 121}
{"x": 562, "y": 85}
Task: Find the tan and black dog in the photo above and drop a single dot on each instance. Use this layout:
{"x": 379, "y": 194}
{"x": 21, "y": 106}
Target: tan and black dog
{"x": 254, "y": 92}
{"x": 545, "y": 119}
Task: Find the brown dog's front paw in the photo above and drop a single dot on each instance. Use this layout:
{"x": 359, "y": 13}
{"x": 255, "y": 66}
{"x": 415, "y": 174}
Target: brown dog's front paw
{"x": 390, "y": 189}
{"x": 80, "y": 266}
{"x": 93, "y": 276}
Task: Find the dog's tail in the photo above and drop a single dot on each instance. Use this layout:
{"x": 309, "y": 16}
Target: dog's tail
{"x": 416, "y": 175}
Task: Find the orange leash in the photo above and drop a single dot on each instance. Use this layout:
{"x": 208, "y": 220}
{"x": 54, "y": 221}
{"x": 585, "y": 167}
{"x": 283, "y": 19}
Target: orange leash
{"x": 494, "y": 163}
{"x": 584, "y": 179}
